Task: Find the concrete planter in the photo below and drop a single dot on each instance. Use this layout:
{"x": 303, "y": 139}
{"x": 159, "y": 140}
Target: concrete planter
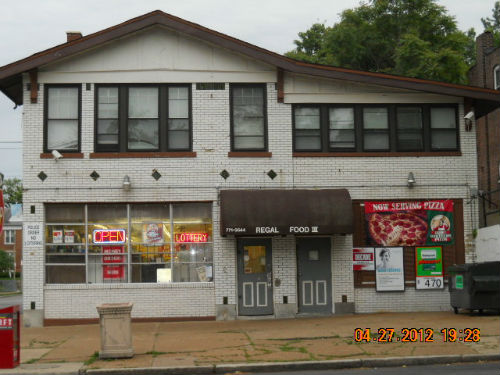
{"x": 116, "y": 331}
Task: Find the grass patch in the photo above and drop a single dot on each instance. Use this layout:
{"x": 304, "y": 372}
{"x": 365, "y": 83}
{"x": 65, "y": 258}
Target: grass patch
{"x": 31, "y": 361}
{"x": 94, "y": 357}
{"x": 155, "y": 354}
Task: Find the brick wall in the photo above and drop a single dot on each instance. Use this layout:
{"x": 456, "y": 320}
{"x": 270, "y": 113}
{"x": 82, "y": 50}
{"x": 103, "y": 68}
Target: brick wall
{"x": 487, "y": 128}
{"x": 187, "y": 179}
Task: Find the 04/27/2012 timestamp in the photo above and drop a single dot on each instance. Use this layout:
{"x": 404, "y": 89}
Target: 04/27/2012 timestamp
{"x": 416, "y": 335}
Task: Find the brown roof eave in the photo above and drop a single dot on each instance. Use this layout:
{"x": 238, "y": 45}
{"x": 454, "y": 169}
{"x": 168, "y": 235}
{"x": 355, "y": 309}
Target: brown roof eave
{"x": 247, "y": 49}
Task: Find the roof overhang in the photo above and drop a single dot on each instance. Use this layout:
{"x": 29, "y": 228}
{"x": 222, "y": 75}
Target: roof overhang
{"x": 484, "y": 100}
{"x": 283, "y": 212}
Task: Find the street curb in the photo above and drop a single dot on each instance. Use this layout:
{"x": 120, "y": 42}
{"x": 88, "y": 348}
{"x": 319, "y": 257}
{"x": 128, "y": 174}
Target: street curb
{"x": 297, "y": 366}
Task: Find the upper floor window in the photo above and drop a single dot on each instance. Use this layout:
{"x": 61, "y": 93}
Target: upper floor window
{"x": 10, "y": 237}
{"x": 143, "y": 118}
{"x": 62, "y": 118}
{"x": 248, "y": 117}
{"x": 375, "y": 128}
{"x": 496, "y": 76}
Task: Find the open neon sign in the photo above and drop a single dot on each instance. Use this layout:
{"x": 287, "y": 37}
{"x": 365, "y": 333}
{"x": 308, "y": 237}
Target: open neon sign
{"x": 191, "y": 237}
{"x": 109, "y": 236}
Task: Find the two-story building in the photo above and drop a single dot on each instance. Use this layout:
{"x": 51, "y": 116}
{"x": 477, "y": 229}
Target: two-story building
{"x": 199, "y": 176}
{"x": 11, "y": 237}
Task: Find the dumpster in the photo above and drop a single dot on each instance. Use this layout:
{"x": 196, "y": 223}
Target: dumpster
{"x": 10, "y": 337}
{"x": 475, "y": 286}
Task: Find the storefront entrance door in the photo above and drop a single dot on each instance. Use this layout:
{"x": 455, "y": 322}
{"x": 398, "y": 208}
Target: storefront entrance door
{"x": 314, "y": 275}
{"x": 255, "y": 289}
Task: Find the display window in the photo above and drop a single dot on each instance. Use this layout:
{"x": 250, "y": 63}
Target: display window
{"x": 120, "y": 243}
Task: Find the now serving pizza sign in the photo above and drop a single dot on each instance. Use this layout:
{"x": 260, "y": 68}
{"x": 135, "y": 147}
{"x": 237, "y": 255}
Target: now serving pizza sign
{"x": 414, "y": 223}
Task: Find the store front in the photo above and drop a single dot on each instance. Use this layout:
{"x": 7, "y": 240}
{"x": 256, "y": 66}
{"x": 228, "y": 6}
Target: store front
{"x": 261, "y": 219}
{"x": 128, "y": 243}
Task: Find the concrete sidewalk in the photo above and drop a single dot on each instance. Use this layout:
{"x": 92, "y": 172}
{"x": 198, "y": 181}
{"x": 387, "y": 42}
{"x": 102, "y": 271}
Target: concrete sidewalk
{"x": 215, "y": 343}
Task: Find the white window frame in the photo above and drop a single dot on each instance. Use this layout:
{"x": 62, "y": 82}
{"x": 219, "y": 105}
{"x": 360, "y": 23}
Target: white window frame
{"x": 496, "y": 70}
{"x": 9, "y": 237}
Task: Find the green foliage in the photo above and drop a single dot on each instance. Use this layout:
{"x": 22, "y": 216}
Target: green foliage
{"x": 6, "y": 261}
{"x": 13, "y": 190}
{"x": 415, "y": 38}
{"x": 493, "y": 24}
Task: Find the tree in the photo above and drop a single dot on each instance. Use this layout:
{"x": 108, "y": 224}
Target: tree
{"x": 493, "y": 24}
{"x": 6, "y": 262}
{"x": 13, "y": 190}
{"x": 416, "y": 38}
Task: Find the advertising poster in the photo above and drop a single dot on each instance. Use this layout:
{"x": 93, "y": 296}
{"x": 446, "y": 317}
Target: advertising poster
{"x": 363, "y": 259}
{"x": 113, "y": 255}
{"x": 418, "y": 223}
{"x": 389, "y": 269}
{"x": 69, "y": 236}
{"x": 57, "y": 236}
{"x": 429, "y": 267}
{"x": 152, "y": 234}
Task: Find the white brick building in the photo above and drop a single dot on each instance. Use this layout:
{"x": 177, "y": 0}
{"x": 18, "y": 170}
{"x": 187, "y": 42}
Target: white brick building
{"x": 186, "y": 115}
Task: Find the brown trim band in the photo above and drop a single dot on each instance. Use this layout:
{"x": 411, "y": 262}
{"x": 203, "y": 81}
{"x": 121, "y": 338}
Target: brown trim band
{"x": 72, "y": 322}
{"x": 373, "y": 154}
{"x": 65, "y": 155}
{"x": 120, "y": 155}
{"x": 249, "y": 154}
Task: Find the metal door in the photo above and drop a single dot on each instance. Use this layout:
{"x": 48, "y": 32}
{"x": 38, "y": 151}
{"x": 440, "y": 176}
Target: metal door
{"x": 255, "y": 289}
{"x": 314, "y": 275}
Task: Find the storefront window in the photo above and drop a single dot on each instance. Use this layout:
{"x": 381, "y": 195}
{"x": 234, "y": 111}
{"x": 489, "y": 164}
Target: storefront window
{"x": 110, "y": 242}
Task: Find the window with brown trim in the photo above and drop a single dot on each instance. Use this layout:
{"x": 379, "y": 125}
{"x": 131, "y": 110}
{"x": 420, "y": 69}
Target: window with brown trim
{"x": 372, "y": 128}
{"x": 248, "y": 117}
{"x": 143, "y": 118}
{"x": 62, "y": 118}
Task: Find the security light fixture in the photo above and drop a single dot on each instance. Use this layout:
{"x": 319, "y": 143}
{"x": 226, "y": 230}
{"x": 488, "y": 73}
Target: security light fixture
{"x": 57, "y": 155}
{"x": 411, "y": 180}
{"x": 468, "y": 120}
{"x": 126, "y": 183}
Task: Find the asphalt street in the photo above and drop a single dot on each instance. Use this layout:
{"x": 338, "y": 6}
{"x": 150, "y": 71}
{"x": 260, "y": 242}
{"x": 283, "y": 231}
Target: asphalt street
{"x": 480, "y": 368}
{"x": 6, "y": 301}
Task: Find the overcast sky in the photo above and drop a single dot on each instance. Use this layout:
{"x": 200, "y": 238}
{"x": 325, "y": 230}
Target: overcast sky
{"x": 29, "y": 26}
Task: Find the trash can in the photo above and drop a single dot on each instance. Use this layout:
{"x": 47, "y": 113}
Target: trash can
{"x": 475, "y": 286}
{"x": 10, "y": 337}
{"x": 116, "y": 330}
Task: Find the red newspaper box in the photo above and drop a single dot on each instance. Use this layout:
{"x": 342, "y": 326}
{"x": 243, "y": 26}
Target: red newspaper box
{"x": 10, "y": 337}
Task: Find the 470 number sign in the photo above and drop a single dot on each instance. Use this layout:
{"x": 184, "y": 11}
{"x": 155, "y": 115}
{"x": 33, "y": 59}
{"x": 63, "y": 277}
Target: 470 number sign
{"x": 430, "y": 282}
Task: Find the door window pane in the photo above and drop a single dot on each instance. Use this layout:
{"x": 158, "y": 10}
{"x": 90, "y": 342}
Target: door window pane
{"x": 254, "y": 259}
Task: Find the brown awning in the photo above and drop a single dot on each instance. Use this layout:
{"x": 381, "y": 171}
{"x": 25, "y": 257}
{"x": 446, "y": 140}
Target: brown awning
{"x": 280, "y": 212}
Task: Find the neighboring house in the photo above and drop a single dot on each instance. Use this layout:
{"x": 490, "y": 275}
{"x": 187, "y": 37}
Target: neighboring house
{"x": 11, "y": 239}
{"x": 199, "y": 176}
{"x": 486, "y": 73}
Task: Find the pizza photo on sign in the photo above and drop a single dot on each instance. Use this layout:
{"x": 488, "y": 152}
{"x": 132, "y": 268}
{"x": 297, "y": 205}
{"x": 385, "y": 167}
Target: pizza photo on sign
{"x": 394, "y": 229}
{"x": 409, "y": 223}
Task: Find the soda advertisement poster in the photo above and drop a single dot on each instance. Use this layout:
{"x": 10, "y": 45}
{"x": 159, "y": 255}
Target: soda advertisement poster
{"x": 363, "y": 259}
{"x": 417, "y": 223}
{"x": 152, "y": 234}
{"x": 429, "y": 267}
